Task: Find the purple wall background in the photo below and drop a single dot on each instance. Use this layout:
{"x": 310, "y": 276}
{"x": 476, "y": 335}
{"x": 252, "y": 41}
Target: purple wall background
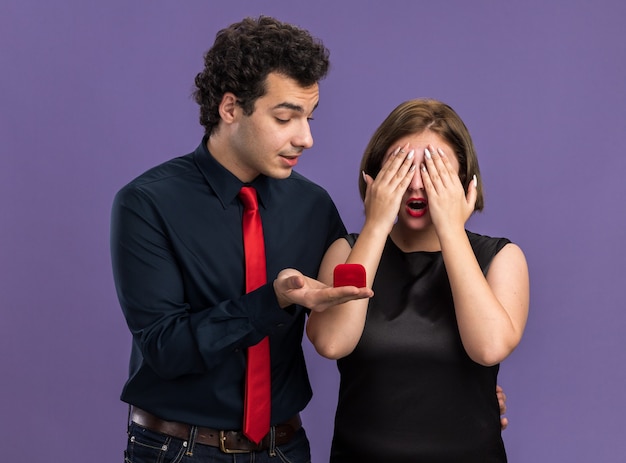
{"x": 92, "y": 94}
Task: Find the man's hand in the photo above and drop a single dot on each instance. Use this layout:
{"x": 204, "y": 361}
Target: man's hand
{"x": 504, "y": 422}
{"x": 292, "y": 287}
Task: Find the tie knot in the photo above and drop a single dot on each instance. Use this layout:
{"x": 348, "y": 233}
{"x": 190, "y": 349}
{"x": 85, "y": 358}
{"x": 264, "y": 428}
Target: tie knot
{"x": 247, "y": 195}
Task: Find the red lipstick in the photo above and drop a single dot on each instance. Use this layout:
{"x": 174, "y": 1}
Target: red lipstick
{"x": 416, "y": 207}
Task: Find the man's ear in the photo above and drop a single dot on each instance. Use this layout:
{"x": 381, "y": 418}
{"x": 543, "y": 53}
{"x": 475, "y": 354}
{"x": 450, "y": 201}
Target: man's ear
{"x": 228, "y": 107}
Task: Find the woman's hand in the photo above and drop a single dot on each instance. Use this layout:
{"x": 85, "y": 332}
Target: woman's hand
{"x": 448, "y": 204}
{"x": 384, "y": 194}
{"x": 336, "y": 331}
{"x": 491, "y": 310}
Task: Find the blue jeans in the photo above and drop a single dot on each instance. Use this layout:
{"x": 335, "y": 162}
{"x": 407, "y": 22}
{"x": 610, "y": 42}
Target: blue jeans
{"x": 145, "y": 446}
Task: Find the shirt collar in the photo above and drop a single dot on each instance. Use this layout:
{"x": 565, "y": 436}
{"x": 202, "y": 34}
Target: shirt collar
{"x": 226, "y": 185}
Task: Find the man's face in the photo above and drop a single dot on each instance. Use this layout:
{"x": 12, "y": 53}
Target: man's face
{"x": 272, "y": 138}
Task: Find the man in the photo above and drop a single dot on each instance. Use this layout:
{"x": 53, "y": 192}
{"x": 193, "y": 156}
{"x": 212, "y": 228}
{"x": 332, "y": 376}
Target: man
{"x": 178, "y": 257}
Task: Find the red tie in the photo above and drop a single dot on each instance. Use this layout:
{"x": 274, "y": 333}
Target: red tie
{"x": 257, "y": 404}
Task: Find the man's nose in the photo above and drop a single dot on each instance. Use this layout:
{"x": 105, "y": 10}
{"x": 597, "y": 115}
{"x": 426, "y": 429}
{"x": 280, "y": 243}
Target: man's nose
{"x": 304, "y": 137}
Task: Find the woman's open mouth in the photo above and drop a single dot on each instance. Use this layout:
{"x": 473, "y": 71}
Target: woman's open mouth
{"x": 416, "y": 207}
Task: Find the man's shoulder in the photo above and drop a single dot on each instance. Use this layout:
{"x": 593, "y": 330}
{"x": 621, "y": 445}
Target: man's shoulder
{"x": 160, "y": 175}
{"x": 169, "y": 178}
{"x": 166, "y": 171}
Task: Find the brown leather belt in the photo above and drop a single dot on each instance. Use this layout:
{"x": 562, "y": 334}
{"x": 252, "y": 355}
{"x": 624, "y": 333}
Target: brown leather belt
{"x": 227, "y": 441}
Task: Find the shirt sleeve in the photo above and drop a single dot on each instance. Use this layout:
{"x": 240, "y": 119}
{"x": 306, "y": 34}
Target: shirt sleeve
{"x": 173, "y": 339}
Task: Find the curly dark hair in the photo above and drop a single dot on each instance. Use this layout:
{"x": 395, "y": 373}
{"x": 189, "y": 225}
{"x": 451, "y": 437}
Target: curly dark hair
{"x": 245, "y": 53}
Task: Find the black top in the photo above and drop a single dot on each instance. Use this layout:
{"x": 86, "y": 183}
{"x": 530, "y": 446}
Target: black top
{"x": 409, "y": 392}
{"x": 178, "y": 264}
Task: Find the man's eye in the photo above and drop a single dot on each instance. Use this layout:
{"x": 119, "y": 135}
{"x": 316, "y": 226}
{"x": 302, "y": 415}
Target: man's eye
{"x": 282, "y": 121}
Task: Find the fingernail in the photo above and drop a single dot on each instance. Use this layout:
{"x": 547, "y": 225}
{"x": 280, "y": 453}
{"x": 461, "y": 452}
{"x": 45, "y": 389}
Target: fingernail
{"x": 412, "y": 168}
{"x": 423, "y": 168}
{"x": 427, "y": 153}
{"x": 410, "y": 155}
{"x": 363, "y": 174}
{"x": 397, "y": 150}
{"x": 440, "y": 151}
{"x": 475, "y": 180}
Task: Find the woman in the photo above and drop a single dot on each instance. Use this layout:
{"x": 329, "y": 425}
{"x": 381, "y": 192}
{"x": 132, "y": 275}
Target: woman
{"x": 419, "y": 361}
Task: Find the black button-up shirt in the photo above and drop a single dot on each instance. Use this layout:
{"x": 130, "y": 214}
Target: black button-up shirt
{"x": 178, "y": 264}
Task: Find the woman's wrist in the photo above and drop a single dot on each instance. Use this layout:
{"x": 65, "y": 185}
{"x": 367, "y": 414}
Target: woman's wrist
{"x": 451, "y": 234}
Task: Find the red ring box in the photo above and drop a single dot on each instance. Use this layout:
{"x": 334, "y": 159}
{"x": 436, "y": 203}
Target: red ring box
{"x": 349, "y": 275}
